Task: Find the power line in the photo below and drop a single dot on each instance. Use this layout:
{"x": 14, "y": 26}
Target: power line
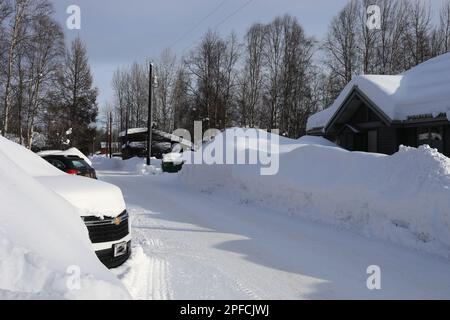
{"x": 232, "y": 14}
{"x": 199, "y": 23}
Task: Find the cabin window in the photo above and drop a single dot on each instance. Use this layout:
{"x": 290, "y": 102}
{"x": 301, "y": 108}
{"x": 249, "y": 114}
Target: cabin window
{"x": 432, "y": 136}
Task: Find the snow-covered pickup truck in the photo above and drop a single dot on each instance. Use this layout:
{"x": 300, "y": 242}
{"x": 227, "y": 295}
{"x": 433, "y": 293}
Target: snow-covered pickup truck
{"x": 101, "y": 205}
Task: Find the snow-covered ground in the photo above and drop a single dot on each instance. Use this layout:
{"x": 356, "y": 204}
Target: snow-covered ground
{"x": 225, "y": 232}
{"x": 199, "y": 241}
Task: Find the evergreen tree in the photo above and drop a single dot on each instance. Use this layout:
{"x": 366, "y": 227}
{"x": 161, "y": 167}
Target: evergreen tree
{"x": 79, "y": 97}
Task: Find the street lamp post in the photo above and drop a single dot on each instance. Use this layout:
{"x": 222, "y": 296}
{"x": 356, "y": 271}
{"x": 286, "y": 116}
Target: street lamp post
{"x": 150, "y": 115}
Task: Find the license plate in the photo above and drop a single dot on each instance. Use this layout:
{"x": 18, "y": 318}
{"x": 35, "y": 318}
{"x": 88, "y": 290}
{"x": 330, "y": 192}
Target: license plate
{"x": 120, "y": 249}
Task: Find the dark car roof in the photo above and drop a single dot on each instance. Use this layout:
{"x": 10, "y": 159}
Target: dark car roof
{"x": 66, "y": 159}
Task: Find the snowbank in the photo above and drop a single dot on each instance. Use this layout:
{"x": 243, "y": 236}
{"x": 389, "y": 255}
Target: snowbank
{"x": 134, "y": 165}
{"x": 319, "y": 141}
{"x": 404, "y": 198}
{"x": 43, "y": 242}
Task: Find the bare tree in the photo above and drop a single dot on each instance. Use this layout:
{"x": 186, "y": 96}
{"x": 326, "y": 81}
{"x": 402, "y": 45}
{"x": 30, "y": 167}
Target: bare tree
{"x": 444, "y": 27}
{"x": 389, "y": 49}
{"x": 368, "y": 39}
{"x": 251, "y": 80}
{"x": 273, "y": 59}
{"x": 341, "y": 43}
{"x": 138, "y": 94}
{"x": 16, "y": 35}
{"x": 119, "y": 88}
{"x": 417, "y": 36}
{"x": 130, "y": 87}
{"x": 166, "y": 77}
{"x": 44, "y": 61}
{"x": 182, "y": 106}
{"x": 207, "y": 66}
{"x": 6, "y": 10}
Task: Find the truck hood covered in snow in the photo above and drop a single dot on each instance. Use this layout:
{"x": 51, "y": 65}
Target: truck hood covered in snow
{"x": 91, "y": 196}
{"x": 43, "y": 243}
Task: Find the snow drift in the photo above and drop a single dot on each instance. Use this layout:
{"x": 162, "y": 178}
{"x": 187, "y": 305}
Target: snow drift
{"x": 134, "y": 165}
{"x": 43, "y": 242}
{"x": 404, "y": 198}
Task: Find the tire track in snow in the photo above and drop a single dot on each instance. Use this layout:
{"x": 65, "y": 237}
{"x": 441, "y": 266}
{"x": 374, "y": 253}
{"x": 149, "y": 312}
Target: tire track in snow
{"x": 146, "y": 278}
{"x": 240, "y": 286}
{"x": 148, "y": 275}
{"x": 252, "y": 295}
{"x": 158, "y": 269}
{"x": 160, "y": 289}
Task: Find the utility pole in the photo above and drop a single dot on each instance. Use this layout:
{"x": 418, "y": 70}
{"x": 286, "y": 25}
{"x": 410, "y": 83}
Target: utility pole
{"x": 150, "y": 114}
{"x": 110, "y": 134}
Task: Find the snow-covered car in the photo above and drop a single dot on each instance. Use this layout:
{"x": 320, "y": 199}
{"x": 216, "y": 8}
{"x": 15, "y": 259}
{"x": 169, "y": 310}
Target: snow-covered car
{"x": 101, "y": 205}
{"x": 72, "y": 165}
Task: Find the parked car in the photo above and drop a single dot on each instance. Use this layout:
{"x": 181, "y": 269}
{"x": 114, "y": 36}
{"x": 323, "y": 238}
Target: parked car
{"x": 72, "y": 165}
{"x": 101, "y": 205}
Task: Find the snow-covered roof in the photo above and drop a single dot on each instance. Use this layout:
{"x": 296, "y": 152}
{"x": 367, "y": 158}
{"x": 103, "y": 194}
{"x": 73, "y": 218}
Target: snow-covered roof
{"x": 422, "y": 90}
{"x": 132, "y": 131}
{"x": 169, "y": 136}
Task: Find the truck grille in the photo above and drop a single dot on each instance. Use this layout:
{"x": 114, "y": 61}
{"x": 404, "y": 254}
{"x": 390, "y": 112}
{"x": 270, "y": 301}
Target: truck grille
{"x": 107, "y": 229}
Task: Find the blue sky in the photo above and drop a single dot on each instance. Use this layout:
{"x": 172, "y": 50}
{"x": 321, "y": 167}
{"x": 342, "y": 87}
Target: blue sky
{"x": 118, "y": 32}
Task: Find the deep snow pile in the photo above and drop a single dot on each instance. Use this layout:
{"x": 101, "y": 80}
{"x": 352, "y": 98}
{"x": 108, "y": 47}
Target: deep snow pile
{"x": 320, "y": 141}
{"x": 404, "y": 198}
{"x": 43, "y": 242}
{"x": 134, "y": 165}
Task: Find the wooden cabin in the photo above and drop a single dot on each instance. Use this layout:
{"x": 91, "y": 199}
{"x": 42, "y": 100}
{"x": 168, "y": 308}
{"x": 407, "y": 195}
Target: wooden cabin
{"x": 376, "y": 113}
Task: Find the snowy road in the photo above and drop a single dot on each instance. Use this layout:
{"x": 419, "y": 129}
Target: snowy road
{"x": 198, "y": 246}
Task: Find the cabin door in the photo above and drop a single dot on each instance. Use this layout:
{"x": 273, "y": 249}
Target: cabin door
{"x": 372, "y": 141}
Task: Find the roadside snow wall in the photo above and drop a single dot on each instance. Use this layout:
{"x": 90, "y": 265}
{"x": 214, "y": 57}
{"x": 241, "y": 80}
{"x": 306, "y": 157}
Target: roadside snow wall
{"x": 404, "y": 198}
{"x": 134, "y": 165}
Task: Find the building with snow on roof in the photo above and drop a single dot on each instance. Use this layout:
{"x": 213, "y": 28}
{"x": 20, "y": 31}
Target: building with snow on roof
{"x": 378, "y": 113}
